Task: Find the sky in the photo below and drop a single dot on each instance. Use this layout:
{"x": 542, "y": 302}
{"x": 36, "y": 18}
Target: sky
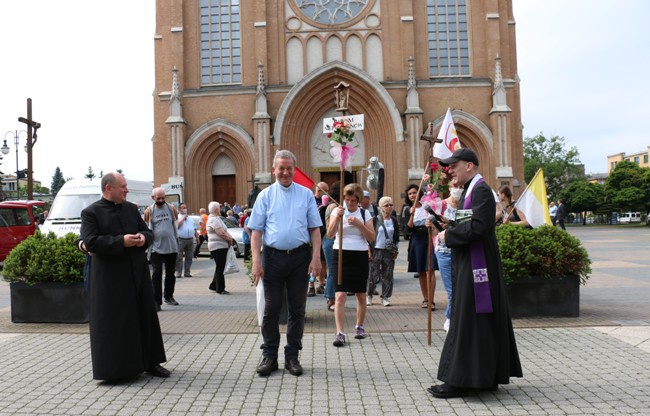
{"x": 89, "y": 69}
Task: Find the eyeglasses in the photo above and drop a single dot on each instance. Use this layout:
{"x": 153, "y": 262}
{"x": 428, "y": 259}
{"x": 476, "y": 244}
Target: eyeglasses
{"x": 388, "y": 205}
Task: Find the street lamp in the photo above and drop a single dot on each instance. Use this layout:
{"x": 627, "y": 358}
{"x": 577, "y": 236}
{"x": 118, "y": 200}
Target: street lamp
{"x": 5, "y": 151}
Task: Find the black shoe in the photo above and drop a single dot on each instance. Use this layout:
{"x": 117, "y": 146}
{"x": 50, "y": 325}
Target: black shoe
{"x": 375, "y": 293}
{"x": 320, "y": 290}
{"x": 311, "y": 292}
{"x": 178, "y": 277}
{"x": 417, "y": 276}
{"x": 445, "y": 391}
{"x": 158, "y": 308}
{"x": 267, "y": 366}
{"x": 171, "y": 301}
{"x": 187, "y": 275}
{"x": 224, "y": 292}
{"x": 293, "y": 365}
{"x": 212, "y": 287}
{"x": 158, "y": 371}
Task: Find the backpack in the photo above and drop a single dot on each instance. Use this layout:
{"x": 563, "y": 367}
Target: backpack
{"x": 321, "y": 212}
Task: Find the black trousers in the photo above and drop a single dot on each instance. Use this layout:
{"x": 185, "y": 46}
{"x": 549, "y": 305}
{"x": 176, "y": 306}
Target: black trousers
{"x": 218, "y": 280}
{"x": 280, "y": 270}
{"x": 197, "y": 249}
{"x": 157, "y": 261}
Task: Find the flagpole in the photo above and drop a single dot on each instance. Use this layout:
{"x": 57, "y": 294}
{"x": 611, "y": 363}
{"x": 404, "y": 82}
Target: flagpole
{"x": 522, "y": 194}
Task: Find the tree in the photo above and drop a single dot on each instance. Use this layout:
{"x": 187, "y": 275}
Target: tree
{"x": 627, "y": 187}
{"x": 57, "y": 181}
{"x": 90, "y": 175}
{"x": 582, "y": 196}
{"x": 561, "y": 166}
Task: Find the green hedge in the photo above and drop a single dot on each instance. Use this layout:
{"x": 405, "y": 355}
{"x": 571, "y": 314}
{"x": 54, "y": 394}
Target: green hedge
{"x": 41, "y": 258}
{"x": 544, "y": 251}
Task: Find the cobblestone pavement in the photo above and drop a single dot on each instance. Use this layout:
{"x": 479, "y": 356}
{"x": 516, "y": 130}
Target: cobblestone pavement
{"x": 598, "y": 363}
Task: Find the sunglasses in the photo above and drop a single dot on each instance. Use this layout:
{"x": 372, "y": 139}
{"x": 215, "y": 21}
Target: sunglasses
{"x": 388, "y": 205}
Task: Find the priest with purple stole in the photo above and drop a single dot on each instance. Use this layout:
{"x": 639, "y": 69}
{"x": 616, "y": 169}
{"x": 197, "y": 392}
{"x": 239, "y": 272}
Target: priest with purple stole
{"x": 480, "y": 350}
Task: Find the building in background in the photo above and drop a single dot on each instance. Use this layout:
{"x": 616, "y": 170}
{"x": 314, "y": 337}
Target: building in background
{"x": 237, "y": 80}
{"x": 640, "y": 158}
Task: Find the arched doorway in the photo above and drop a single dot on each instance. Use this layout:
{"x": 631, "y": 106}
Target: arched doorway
{"x": 300, "y": 120}
{"x": 224, "y": 186}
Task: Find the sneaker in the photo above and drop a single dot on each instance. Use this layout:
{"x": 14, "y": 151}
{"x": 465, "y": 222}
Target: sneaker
{"x": 385, "y": 301}
{"x": 361, "y": 333}
{"x": 446, "y": 325}
{"x": 369, "y": 300}
{"x": 339, "y": 341}
{"x": 171, "y": 301}
{"x": 311, "y": 292}
{"x": 320, "y": 290}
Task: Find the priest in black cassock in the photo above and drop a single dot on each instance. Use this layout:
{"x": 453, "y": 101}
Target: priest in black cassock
{"x": 480, "y": 351}
{"x": 125, "y": 337}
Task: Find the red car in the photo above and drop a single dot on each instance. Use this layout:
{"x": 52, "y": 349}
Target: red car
{"x": 18, "y": 220}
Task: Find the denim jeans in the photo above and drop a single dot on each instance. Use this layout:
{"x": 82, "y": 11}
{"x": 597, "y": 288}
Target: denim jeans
{"x": 328, "y": 249}
{"x": 444, "y": 264}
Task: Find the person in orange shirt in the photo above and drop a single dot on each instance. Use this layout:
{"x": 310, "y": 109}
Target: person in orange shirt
{"x": 203, "y": 231}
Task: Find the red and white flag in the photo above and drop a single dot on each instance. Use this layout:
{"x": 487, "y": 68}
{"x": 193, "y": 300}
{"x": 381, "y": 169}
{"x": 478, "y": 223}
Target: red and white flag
{"x": 449, "y": 137}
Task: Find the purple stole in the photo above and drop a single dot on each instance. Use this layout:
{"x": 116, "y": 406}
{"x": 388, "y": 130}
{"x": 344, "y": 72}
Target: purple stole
{"x": 482, "y": 297}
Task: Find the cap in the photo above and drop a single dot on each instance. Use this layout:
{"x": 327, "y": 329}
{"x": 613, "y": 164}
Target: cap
{"x": 366, "y": 193}
{"x": 463, "y": 154}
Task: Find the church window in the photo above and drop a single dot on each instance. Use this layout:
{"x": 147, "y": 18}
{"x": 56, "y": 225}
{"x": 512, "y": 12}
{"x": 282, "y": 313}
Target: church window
{"x": 220, "y": 42}
{"x": 448, "y": 38}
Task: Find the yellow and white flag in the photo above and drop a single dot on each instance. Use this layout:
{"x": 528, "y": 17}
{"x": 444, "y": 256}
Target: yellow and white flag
{"x": 533, "y": 202}
{"x": 449, "y": 137}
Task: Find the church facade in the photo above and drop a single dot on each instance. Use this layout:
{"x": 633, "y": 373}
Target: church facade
{"x": 238, "y": 80}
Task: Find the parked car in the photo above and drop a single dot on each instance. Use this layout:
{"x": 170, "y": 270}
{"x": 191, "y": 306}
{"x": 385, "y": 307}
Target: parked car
{"x": 629, "y": 217}
{"x": 233, "y": 229}
{"x": 18, "y": 220}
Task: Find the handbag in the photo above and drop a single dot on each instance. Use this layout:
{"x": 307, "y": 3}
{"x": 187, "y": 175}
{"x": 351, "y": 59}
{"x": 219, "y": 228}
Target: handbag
{"x": 391, "y": 247}
{"x": 231, "y": 262}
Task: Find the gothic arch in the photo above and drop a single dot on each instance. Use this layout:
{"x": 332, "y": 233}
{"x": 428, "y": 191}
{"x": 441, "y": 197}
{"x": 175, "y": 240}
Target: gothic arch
{"x": 317, "y": 89}
{"x": 214, "y": 138}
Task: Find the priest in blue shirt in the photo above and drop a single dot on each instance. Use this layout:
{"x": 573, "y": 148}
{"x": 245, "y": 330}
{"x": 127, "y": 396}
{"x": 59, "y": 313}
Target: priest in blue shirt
{"x": 284, "y": 221}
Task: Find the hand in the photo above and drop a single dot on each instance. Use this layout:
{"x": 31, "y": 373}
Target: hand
{"x": 258, "y": 271}
{"x": 340, "y": 211}
{"x": 131, "y": 240}
{"x": 441, "y": 236}
{"x": 141, "y": 240}
{"x": 315, "y": 266}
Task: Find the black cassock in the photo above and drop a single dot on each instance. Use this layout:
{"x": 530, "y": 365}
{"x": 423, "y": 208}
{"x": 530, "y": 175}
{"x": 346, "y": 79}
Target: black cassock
{"x": 125, "y": 337}
{"x": 480, "y": 349}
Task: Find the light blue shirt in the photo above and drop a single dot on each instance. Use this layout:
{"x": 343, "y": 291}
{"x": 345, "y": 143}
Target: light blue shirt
{"x": 380, "y": 239}
{"x": 285, "y": 216}
{"x": 187, "y": 228}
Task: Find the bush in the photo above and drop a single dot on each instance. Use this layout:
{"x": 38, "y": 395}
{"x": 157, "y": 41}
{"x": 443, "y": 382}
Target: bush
{"x": 41, "y": 258}
{"x": 545, "y": 251}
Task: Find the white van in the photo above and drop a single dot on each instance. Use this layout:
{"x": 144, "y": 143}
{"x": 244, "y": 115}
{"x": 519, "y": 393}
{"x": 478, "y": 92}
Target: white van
{"x": 76, "y": 194}
{"x": 629, "y": 217}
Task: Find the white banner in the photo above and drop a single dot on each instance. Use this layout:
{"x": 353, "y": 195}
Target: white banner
{"x": 356, "y": 122}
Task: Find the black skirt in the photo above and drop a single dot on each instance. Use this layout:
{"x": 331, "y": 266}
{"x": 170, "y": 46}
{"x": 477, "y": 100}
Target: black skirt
{"x": 355, "y": 271}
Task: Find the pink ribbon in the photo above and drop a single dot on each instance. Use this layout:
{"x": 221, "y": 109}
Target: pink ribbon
{"x": 342, "y": 154}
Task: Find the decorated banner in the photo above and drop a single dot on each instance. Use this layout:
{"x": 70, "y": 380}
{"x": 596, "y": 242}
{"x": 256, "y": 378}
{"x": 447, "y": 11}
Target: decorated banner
{"x": 355, "y": 122}
{"x": 449, "y": 137}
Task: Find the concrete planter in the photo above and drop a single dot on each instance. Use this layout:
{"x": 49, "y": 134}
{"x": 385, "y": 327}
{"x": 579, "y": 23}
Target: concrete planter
{"x": 49, "y": 302}
{"x": 544, "y": 297}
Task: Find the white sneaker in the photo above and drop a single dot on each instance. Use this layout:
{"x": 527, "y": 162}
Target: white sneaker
{"x": 385, "y": 301}
{"x": 369, "y": 300}
{"x": 446, "y": 325}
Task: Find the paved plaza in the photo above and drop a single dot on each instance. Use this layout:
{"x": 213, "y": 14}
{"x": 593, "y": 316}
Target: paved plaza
{"x": 598, "y": 363}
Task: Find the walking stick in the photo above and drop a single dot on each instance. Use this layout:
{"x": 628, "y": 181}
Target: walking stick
{"x": 430, "y": 272}
{"x": 340, "y": 265}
